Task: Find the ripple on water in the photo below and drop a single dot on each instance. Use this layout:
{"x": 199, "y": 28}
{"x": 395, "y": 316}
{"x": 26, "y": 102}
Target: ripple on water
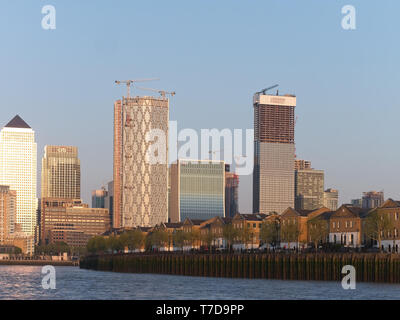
{"x": 24, "y": 282}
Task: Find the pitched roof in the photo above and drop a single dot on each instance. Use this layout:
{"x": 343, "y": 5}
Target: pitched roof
{"x": 17, "y": 122}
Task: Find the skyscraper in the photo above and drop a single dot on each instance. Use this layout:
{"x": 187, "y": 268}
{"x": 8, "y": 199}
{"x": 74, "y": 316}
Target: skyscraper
{"x": 197, "y": 190}
{"x": 274, "y": 153}
{"x": 140, "y": 186}
{"x": 309, "y": 189}
{"x": 18, "y": 170}
{"x": 61, "y": 173}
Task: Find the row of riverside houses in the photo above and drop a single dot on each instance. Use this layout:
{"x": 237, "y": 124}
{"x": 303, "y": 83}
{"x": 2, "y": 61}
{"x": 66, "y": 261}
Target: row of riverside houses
{"x": 348, "y": 226}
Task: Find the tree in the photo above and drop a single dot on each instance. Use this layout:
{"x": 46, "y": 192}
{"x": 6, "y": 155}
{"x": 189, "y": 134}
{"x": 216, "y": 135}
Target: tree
{"x": 317, "y": 231}
{"x": 376, "y": 225}
{"x": 114, "y": 244}
{"x": 158, "y": 238}
{"x": 194, "y": 237}
{"x": 269, "y": 232}
{"x": 230, "y": 234}
{"x": 208, "y": 238}
{"x": 96, "y": 244}
{"x": 179, "y": 239}
{"x": 290, "y": 232}
{"x": 246, "y": 235}
{"x": 133, "y": 239}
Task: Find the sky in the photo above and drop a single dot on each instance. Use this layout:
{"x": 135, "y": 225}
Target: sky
{"x": 215, "y": 54}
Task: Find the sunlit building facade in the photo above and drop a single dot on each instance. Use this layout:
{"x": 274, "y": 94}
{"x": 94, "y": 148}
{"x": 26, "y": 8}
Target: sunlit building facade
{"x": 197, "y": 190}
{"x": 274, "y": 153}
{"x": 140, "y": 184}
{"x": 18, "y": 170}
{"x": 61, "y": 172}
{"x": 7, "y": 212}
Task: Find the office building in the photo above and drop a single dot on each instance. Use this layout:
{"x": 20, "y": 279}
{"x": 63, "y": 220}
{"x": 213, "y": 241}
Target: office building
{"x": 274, "y": 153}
{"x": 301, "y": 164}
{"x": 7, "y": 212}
{"x": 99, "y": 198}
{"x": 372, "y": 199}
{"x": 140, "y": 184}
{"x": 109, "y": 201}
{"x": 309, "y": 188}
{"x": 60, "y": 216}
{"x": 18, "y": 169}
{"x": 231, "y": 193}
{"x": 331, "y": 199}
{"x": 197, "y": 190}
{"x": 61, "y": 173}
{"x": 356, "y": 203}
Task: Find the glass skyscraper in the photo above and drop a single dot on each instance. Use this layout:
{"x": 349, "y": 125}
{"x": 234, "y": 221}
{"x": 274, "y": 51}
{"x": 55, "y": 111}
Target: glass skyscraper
{"x": 197, "y": 190}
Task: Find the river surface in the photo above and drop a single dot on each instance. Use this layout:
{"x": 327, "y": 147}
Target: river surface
{"x": 25, "y": 282}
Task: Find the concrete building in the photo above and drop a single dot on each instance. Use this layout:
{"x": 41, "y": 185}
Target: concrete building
{"x": 71, "y": 215}
{"x": 99, "y": 198}
{"x": 372, "y": 199}
{"x": 8, "y": 212}
{"x": 356, "y": 203}
{"x": 18, "y": 170}
{"x": 331, "y": 199}
{"x": 231, "y": 193}
{"x": 302, "y": 164}
{"x": 274, "y": 153}
{"x": 197, "y": 190}
{"x": 61, "y": 173}
{"x": 309, "y": 189}
{"x": 109, "y": 200}
{"x": 140, "y": 184}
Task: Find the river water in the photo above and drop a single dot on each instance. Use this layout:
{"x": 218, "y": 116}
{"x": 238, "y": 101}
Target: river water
{"x": 25, "y": 282}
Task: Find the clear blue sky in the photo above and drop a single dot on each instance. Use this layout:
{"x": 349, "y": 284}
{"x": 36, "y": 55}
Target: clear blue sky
{"x": 215, "y": 54}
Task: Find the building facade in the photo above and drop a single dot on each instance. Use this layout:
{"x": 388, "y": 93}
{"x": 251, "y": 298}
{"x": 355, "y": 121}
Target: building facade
{"x": 372, "y": 199}
{"x": 61, "y": 172}
{"x": 197, "y": 190}
{"x": 99, "y": 198}
{"x": 140, "y": 180}
{"x": 274, "y": 153}
{"x": 109, "y": 201}
{"x": 18, "y": 170}
{"x": 331, "y": 199}
{"x": 66, "y": 215}
{"x": 8, "y": 212}
{"x": 309, "y": 189}
{"x": 231, "y": 193}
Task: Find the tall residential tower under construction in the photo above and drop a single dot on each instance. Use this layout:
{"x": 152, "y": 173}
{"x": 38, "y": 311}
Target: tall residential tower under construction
{"x": 274, "y": 152}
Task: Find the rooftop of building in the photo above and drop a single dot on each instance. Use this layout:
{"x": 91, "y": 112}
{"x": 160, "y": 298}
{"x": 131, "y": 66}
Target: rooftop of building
{"x": 17, "y": 122}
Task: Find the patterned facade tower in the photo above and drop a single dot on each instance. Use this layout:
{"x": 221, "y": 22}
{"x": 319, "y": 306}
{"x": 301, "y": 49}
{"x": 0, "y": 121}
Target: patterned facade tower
{"x": 140, "y": 185}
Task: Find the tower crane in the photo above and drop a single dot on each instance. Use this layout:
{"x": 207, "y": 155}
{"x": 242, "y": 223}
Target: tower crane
{"x": 163, "y": 93}
{"x": 267, "y": 89}
{"x": 131, "y": 82}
